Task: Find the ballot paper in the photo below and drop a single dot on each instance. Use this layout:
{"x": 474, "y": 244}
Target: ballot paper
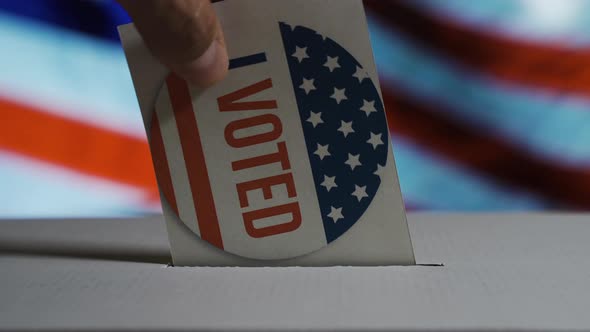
{"x": 288, "y": 160}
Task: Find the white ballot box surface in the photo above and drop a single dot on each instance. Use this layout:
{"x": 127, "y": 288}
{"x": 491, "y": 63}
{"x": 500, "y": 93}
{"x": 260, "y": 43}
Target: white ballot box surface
{"x": 502, "y": 272}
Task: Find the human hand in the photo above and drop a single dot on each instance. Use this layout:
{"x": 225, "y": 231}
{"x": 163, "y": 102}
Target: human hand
{"x": 184, "y": 35}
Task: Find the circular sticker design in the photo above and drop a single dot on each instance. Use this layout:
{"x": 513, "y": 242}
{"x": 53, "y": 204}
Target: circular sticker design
{"x": 342, "y": 127}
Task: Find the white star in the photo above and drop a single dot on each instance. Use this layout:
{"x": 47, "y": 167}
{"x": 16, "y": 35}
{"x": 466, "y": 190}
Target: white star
{"x": 353, "y": 161}
{"x": 380, "y": 170}
{"x": 339, "y": 95}
{"x": 360, "y": 74}
{"x": 335, "y": 214}
{"x": 368, "y": 107}
{"x": 346, "y": 128}
{"x": 308, "y": 85}
{"x": 322, "y": 151}
{"x": 300, "y": 53}
{"x": 375, "y": 140}
{"x": 332, "y": 63}
{"x": 329, "y": 182}
{"x": 360, "y": 192}
{"x": 315, "y": 119}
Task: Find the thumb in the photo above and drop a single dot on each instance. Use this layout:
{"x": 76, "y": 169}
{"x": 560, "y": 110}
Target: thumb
{"x": 184, "y": 35}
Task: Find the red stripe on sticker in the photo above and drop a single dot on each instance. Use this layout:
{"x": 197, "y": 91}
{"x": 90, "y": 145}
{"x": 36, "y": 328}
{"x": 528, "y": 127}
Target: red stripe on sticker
{"x": 194, "y": 158}
{"x": 161, "y": 164}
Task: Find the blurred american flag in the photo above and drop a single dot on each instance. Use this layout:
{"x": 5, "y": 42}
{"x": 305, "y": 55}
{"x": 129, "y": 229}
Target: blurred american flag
{"x": 489, "y": 106}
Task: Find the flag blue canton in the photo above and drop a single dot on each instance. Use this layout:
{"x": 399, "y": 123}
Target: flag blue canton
{"x": 343, "y": 123}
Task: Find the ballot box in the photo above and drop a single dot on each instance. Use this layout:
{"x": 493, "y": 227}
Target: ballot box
{"x": 474, "y": 272}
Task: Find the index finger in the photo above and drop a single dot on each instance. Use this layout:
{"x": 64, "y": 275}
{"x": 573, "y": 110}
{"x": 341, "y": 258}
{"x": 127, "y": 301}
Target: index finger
{"x": 185, "y": 35}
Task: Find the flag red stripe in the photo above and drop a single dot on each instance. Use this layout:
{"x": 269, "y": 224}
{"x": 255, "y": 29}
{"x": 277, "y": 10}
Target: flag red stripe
{"x": 77, "y": 146}
{"x": 546, "y": 65}
{"x": 195, "y": 160}
{"x": 488, "y": 155}
{"x": 161, "y": 163}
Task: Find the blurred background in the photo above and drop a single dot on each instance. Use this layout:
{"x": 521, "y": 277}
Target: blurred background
{"x": 489, "y": 106}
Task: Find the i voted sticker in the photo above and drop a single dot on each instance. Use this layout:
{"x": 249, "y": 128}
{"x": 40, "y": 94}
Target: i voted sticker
{"x": 284, "y": 156}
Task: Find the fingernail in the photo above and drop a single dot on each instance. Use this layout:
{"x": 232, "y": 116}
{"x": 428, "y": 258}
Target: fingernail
{"x": 208, "y": 69}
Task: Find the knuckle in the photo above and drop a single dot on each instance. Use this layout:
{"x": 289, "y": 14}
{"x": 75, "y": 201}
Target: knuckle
{"x": 197, "y": 30}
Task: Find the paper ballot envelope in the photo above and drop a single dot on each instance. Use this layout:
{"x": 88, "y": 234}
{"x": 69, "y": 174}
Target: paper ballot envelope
{"x": 288, "y": 160}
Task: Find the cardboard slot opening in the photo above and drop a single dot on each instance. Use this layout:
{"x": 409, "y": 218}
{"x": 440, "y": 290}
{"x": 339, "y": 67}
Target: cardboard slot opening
{"x": 171, "y": 265}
